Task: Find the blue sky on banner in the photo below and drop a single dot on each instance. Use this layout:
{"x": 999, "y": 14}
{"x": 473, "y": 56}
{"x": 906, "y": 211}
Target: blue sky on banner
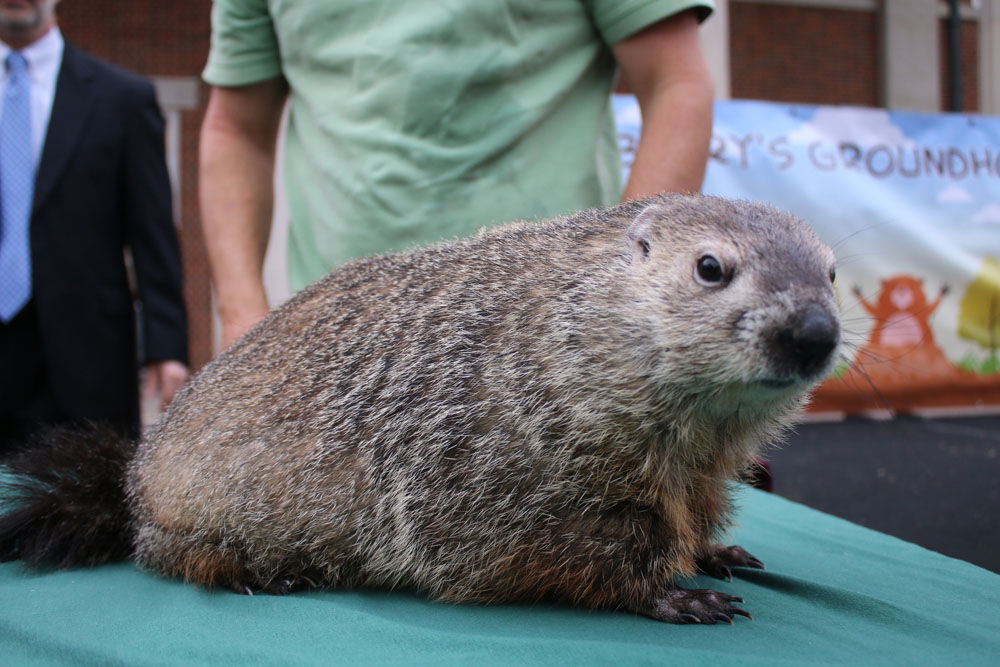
{"x": 893, "y": 192}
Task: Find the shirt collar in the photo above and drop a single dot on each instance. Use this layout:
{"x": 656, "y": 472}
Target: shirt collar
{"x": 44, "y": 54}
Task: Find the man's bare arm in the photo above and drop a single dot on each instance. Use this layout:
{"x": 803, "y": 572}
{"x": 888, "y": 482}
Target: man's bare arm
{"x": 665, "y": 67}
{"x": 236, "y": 191}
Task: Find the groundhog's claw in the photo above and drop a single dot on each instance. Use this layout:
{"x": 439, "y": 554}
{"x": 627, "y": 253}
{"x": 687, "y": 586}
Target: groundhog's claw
{"x": 289, "y": 585}
{"x": 718, "y": 562}
{"x": 724, "y": 618}
{"x": 241, "y": 588}
{"x": 282, "y": 586}
{"x": 697, "y": 606}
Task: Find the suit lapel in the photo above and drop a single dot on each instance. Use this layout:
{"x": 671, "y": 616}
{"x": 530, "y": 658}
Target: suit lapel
{"x": 71, "y": 107}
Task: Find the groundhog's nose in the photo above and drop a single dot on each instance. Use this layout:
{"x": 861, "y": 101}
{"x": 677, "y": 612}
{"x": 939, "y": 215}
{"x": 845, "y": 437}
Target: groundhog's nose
{"x": 809, "y": 338}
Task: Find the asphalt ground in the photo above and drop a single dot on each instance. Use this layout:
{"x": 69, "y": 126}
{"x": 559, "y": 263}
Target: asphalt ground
{"x": 931, "y": 481}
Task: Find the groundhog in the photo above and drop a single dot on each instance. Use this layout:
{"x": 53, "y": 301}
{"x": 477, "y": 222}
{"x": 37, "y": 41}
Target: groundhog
{"x": 550, "y": 410}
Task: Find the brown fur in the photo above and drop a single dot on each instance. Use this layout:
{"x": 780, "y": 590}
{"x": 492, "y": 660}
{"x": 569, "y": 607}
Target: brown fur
{"x": 549, "y": 410}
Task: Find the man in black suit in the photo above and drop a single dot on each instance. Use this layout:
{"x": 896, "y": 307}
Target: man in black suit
{"x": 97, "y": 194}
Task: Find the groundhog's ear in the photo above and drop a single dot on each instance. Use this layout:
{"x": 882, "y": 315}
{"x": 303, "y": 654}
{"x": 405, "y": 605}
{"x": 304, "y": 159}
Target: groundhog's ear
{"x": 639, "y": 234}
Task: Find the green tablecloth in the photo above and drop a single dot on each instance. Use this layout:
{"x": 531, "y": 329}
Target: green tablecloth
{"x": 834, "y": 593}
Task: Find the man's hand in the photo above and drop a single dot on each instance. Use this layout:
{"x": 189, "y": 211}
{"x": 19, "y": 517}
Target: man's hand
{"x": 165, "y": 378}
{"x": 236, "y": 322}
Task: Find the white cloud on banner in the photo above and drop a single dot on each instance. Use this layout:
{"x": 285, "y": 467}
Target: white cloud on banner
{"x": 864, "y": 127}
{"x": 988, "y": 215}
{"x": 954, "y": 194}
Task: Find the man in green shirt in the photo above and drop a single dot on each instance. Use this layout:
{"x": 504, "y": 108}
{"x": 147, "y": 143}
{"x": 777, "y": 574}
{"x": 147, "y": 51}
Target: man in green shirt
{"x": 413, "y": 122}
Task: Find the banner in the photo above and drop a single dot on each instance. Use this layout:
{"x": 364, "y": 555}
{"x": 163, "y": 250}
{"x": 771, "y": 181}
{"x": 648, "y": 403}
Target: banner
{"x": 910, "y": 202}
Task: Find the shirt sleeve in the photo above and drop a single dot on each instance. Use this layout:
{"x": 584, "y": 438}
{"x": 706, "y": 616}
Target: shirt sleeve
{"x": 618, "y": 19}
{"x": 244, "y": 46}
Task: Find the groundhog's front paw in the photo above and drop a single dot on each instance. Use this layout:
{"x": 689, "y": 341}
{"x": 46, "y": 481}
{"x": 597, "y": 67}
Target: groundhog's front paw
{"x": 698, "y": 606}
{"x": 279, "y": 586}
{"x": 717, "y": 563}
{"x": 286, "y": 585}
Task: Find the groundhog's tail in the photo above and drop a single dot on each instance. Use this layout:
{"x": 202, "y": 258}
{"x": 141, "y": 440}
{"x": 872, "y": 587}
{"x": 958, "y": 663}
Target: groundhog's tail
{"x": 63, "y": 499}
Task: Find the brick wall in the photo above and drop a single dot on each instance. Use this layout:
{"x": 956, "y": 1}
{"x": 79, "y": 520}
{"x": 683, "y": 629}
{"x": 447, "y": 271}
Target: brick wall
{"x": 813, "y": 55}
{"x": 802, "y": 54}
{"x": 160, "y": 39}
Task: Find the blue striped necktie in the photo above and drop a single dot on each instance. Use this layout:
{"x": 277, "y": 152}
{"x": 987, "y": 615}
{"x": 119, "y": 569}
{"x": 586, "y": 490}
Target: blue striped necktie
{"x": 17, "y": 184}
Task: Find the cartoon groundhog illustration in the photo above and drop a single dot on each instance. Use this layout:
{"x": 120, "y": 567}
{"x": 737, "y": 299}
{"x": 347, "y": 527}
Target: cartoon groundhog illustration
{"x": 900, "y": 366}
{"x": 901, "y": 315}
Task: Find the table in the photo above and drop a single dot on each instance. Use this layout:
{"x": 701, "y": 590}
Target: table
{"x": 833, "y": 593}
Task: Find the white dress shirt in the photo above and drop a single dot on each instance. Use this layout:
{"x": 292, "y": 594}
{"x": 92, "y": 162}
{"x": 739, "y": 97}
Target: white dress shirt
{"x": 44, "y": 58}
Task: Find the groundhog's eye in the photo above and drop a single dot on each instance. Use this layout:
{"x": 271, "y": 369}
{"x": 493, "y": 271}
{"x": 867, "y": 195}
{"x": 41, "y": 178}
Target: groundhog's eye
{"x": 833, "y": 274}
{"x": 709, "y": 270}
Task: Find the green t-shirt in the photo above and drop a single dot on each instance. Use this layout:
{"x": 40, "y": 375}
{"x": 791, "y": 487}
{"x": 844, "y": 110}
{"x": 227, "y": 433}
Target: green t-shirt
{"x": 416, "y": 121}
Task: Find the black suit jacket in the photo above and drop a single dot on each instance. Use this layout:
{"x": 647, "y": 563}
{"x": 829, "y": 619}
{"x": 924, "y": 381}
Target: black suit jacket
{"x": 102, "y": 186}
